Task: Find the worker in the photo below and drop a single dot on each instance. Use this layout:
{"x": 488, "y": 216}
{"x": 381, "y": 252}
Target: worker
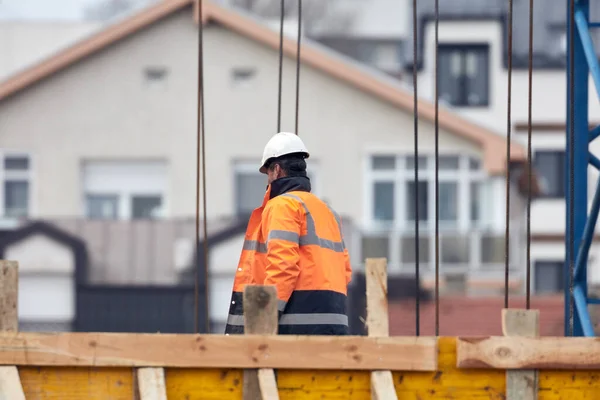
{"x": 294, "y": 241}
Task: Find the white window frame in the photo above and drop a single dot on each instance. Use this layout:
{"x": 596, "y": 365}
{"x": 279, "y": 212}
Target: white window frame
{"x": 401, "y": 226}
{"x": 28, "y": 175}
{"x": 125, "y": 196}
{"x": 251, "y": 166}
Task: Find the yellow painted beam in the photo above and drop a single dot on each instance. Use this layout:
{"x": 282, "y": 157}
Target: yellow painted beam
{"x": 449, "y": 382}
{"x": 72, "y": 383}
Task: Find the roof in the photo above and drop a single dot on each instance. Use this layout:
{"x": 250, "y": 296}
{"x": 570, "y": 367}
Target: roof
{"x": 363, "y": 78}
{"x": 549, "y": 27}
{"x": 473, "y": 316}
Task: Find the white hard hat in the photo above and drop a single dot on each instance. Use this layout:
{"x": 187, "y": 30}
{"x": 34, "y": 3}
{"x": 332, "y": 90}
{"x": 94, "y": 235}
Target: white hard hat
{"x": 280, "y": 144}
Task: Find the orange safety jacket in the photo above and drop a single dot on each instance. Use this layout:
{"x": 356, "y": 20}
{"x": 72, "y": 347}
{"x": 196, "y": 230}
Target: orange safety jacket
{"x": 294, "y": 241}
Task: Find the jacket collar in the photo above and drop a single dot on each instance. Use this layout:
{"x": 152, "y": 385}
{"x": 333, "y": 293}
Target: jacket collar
{"x": 284, "y": 185}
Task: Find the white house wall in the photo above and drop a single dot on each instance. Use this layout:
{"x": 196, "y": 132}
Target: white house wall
{"x": 101, "y": 109}
{"x": 223, "y": 260}
{"x": 46, "y": 280}
{"x": 40, "y": 254}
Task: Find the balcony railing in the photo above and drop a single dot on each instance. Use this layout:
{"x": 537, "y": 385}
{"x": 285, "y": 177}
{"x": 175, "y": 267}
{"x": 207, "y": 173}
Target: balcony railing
{"x": 472, "y": 251}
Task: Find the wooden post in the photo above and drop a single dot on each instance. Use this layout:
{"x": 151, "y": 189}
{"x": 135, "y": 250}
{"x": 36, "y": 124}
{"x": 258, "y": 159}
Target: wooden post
{"x": 10, "y": 383}
{"x": 521, "y": 384}
{"x": 260, "y": 317}
{"x": 151, "y": 384}
{"x": 382, "y": 382}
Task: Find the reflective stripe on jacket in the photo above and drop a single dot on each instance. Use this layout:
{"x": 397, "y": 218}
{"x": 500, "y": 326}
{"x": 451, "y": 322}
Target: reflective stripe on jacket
{"x": 294, "y": 241}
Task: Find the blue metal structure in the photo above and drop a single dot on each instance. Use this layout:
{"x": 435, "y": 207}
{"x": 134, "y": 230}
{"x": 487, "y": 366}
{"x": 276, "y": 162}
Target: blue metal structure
{"x": 585, "y": 62}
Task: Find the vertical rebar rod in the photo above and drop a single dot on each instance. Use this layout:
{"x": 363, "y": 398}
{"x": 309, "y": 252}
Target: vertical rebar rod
{"x": 298, "y": 66}
{"x": 529, "y": 167}
{"x": 416, "y": 166}
{"x": 282, "y": 11}
{"x": 572, "y": 167}
{"x": 437, "y": 174}
{"x": 201, "y": 165}
{"x": 508, "y": 145}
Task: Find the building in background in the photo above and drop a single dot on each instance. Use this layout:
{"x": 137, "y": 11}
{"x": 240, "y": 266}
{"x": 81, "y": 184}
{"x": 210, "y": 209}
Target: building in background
{"x": 372, "y": 32}
{"x": 473, "y": 74}
{"x": 99, "y": 141}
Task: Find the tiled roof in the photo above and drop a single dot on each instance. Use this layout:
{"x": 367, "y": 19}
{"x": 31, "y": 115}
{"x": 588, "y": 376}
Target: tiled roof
{"x": 472, "y": 316}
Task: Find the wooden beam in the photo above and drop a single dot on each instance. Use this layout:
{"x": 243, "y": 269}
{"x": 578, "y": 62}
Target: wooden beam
{"x": 151, "y": 384}
{"x": 268, "y": 384}
{"x": 9, "y": 295}
{"x": 522, "y": 384}
{"x": 382, "y": 382}
{"x": 218, "y": 351}
{"x": 260, "y": 317}
{"x": 10, "y": 382}
{"x": 558, "y": 353}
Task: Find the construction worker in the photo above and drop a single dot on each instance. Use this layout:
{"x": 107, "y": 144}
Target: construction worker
{"x": 294, "y": 241}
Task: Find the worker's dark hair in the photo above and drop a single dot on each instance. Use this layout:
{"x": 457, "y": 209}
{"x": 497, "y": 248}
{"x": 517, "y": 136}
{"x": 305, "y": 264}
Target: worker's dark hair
{"x": 291, "y": 164}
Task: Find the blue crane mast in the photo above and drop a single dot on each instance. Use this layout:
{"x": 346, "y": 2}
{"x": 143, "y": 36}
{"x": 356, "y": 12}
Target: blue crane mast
{"x": 580, "y": 225}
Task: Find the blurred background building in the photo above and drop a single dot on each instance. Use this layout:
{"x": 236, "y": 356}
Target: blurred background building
{"x": 98, "y": 107}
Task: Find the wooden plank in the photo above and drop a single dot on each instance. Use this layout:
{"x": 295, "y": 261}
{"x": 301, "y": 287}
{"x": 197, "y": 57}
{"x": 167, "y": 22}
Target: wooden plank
{"x": 10, "y": 383}
{"x": 9, "y": 295}
{"x": 218, "y": 351}
{"x": 448, "y": 382}
{"x": 377, "y": 304}
{"x": 569, "y": 353}
{"x": 522, "y": 384}
{"x": 260, "y": 317}
{"x": 151, "y": 384}
{"x": 382, "y": 383}
{"x": 267, "y": 384}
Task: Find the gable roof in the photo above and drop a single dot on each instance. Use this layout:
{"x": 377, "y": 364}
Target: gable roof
{"x": 376, "y": 84}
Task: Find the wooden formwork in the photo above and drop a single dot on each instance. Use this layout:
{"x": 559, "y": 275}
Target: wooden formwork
{"x": 70, "y": 366}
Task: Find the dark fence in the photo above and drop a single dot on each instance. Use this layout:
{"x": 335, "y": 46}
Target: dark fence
{"x": 138, "y": 309}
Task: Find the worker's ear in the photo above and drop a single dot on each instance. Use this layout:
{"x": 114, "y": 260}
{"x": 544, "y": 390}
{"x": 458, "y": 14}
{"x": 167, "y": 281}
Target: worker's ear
{"x": 277, "y": 171}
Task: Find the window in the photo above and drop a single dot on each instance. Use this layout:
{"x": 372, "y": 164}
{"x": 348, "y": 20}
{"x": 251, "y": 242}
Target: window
{"x": 250, "y": 189}
{"x": 124, "y": 189}
{"x": 16, "y": 186}
{"x": 550, "y": 165}
{"x": 383, "y": 194}
{"x": 456, "y": 174}
{"x": 395, "y": 197}
{"x": 102, "y": 206}
{"x": 548, "y": 276}
{"x": 464, "y": 74}
{"x": 250, "y": 186}
{"x": 145, "y": 207}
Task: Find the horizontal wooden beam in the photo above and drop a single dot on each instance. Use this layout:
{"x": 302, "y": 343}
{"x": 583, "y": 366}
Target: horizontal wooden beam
{"x": 219, "y": 351}
{"x": 528, "y": 353}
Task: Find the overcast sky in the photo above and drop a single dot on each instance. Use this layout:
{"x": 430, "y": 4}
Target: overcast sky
{"x": 53, "y": 9}
{"x": 42, "y": 9}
